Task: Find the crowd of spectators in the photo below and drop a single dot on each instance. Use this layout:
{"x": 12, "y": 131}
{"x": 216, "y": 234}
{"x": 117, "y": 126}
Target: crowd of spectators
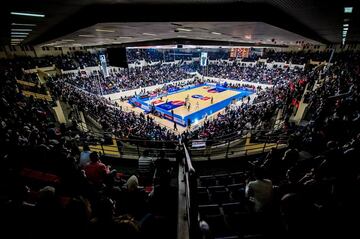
{"x": 127, "y": 79}
{"x": 69, "y": 61}
{"x": 113, "y": 119}
{"x": 310, "y": 189}
{"x": 100, "y": 201}
{"x": 257, "y": 74}
{"x": 298, "y": 57}
{"x": 322, "y": 185}
{"x": 49, "y": 186}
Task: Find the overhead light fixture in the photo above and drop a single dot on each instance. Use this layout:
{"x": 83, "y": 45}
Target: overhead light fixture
{"x": 125, "y": 37}
{"x": 216, "y": 33}
{"x": 344, "y": 32}
{"x": 116, "y": 42}
{"x": 104, "y": 30}
{"x": 345, "y": 25}
{"x": 183, "y": 29}
{"x": 27, "y": 14}
{"x": 149, "y": 34}
{"x": 20, "y": 33}
{"x": 248, "y": 37}
{"x": 76, "y": 44}
{"x": 68, "y": 40}
{"x": 86, "y": 35}
{"x": 346, "y": 28}
{"x": 23, "y": 24}
{"x": 348, "y": 9}
{"x": 20, "y": 36}
{"x": 21, "y": 29}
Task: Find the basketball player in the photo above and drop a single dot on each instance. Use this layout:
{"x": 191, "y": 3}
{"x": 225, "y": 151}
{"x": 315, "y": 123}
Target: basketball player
{"x": 197, "y": 105}
{"x": 189, "y": 106}
{"x": 212, "y": 99}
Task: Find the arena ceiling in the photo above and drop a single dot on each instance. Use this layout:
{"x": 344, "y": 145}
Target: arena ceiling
{"x": 67, "y": 22}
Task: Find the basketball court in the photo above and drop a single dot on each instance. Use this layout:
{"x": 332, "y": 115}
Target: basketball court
{"x": 190, "y": 104}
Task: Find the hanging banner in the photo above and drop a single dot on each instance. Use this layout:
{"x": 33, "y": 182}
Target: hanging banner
{"x": 103, "y": 64}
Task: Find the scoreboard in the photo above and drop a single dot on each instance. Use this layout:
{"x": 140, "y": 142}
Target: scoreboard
{"x": 239, "y": 52}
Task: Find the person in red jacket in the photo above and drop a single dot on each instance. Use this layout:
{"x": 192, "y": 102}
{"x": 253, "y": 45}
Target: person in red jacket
{"x": 96, "y": 171}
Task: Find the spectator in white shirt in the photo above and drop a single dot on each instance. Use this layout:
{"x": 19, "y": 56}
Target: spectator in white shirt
{"x": 85, "y": 156}
{"x": 259, "y": 191}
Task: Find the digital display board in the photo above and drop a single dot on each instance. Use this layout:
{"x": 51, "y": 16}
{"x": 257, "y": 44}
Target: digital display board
{"x": 203, "y": 59}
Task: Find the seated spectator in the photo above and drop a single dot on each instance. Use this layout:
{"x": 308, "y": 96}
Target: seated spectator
{"x": 48, "y": 212}
{"x": 77, "y": 215}
{"x": 133, "y": 199}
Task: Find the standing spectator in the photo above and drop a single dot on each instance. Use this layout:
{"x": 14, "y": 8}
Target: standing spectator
{"x": 259, "y": 191}
{"x": 96, "y": 171}
{"x": 85, "y": 156}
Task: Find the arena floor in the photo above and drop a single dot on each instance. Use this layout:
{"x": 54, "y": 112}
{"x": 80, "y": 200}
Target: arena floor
{"x": 205, "y": 101}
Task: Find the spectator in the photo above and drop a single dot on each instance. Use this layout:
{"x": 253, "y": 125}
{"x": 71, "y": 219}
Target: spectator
{"x": 96, "y": 171}
{"x": 85, "y": 156}
{"x": 259, "y": 191}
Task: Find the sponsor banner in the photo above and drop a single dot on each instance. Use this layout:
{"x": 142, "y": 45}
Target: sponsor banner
{"x": 169, "y": 117}
{"x": 180, "y": 121}
{"x": 156, "y": 102}
{"x": 198, "y": 144}
{"x": 145, "y": 107}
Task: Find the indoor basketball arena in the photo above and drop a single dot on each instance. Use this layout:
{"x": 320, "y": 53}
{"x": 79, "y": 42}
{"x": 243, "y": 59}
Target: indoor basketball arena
{"x": 180, "y": 119}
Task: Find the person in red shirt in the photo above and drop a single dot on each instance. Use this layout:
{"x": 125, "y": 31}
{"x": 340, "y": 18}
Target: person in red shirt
{"x": 96, "y": 171}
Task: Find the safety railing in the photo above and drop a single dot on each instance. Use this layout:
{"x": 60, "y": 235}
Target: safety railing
{"x": 243, "y": 144}
{"x": 187, "y": 212}
{"x": 254, "y": 142}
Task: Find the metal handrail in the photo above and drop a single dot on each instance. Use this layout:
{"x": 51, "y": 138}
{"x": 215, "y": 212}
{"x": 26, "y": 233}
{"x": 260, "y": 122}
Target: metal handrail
{"x": 188, "y": 160}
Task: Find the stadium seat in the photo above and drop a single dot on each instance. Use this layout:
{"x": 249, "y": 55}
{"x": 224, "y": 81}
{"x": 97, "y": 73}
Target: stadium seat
{"x": 232, "y": 208}
{"x": 218, "y": 227}
{"x": 238, "y": 177}
{"x": 219, "y": 194}
{"x": 206, "y": 181}
{"x": 237, "y": 191}
{"x": 203, "y": 198}
{"x": 201, "y": 189}
{"x": 206, "y": 210}
{"x": 223, "y": 179}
